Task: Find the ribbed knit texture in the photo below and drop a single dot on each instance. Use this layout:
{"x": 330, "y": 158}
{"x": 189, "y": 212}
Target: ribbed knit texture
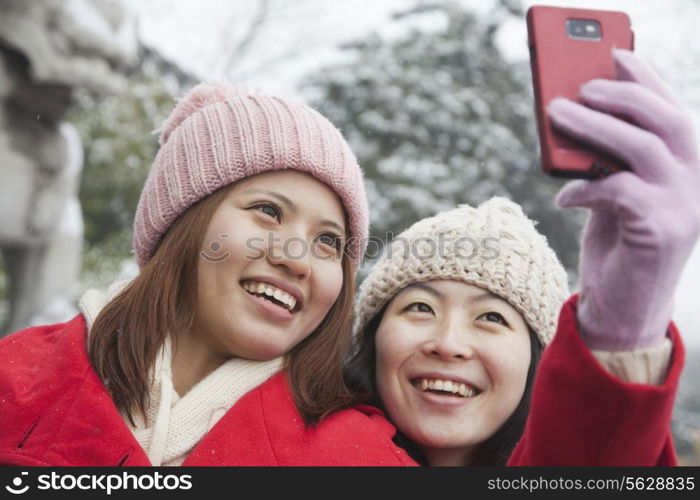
{"x": 174, "y": 425}
{"x": 504, "y": 253}
{"x": 640, "y": 366}
{"x": 218, "y": 134}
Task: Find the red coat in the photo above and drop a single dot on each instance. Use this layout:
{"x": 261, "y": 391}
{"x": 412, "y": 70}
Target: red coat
{"x": 583, "y": 415}
{"x": 54, "y": 410}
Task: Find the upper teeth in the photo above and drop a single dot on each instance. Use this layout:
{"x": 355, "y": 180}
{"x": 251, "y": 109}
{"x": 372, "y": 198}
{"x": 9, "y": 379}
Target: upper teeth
{"x": 465, "y": 390}
{"x": 271, "y": 291}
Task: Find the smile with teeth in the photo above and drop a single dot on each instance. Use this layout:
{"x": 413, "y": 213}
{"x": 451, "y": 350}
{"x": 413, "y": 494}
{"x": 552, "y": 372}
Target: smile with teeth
{"x": 271, "y": 293}
{"x": 447, "y": 387}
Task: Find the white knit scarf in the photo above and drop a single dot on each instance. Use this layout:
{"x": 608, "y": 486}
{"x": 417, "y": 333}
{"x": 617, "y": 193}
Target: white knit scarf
{"x": 174, "y": 425}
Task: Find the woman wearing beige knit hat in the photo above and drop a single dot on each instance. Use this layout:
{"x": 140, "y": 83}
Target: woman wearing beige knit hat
{"x": 451, "y": 325}
{"x": 453, "y": 320}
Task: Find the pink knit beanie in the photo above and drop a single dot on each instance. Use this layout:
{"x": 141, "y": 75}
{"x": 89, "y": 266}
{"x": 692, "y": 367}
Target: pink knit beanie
{"x": 218, "y": 134}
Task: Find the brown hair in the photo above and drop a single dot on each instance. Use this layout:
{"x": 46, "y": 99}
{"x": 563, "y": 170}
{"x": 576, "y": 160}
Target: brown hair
{"x": 128, "y": 332}
{"x": 360, "y": 376}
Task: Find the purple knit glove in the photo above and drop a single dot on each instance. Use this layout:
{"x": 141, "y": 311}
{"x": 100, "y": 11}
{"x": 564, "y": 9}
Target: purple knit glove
{"x": 644, "y": 222}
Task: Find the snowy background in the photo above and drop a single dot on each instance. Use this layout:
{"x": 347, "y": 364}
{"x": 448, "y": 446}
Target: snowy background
{"x": 304, "y": 35}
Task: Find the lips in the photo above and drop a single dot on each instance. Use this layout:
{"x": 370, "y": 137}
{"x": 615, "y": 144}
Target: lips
{"x": 446, "y": 385}
{"x": 281, "y": 285}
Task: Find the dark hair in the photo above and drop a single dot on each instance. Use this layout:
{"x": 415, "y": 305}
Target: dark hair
{"x": 131, "y": 328}
{"x": 360, "y": 377}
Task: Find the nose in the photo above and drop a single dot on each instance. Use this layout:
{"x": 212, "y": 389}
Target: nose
{"x": 450, "y": 341}
{"x": 292, "y": 254}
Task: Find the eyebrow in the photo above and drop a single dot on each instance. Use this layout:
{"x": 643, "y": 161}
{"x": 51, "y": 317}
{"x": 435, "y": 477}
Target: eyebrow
{"x": 290, "y": 204}
{"x": 427, "y": 288}
{"x": 485, "y": 295}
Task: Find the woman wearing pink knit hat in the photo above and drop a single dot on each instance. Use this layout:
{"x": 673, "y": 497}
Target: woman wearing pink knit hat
{"x": 226, "y": 348}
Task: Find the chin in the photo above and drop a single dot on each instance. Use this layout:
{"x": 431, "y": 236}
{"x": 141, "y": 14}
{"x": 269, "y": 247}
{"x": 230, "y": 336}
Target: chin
{"x": 264, "y": 351}
{"x": 438, "y": 438}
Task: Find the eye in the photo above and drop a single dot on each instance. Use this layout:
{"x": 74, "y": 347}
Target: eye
{"x": 270, "y": 209}
{"x": 332, "y": 240}
{"x": 494, "y": 316}
{"x": 419, "y": 307}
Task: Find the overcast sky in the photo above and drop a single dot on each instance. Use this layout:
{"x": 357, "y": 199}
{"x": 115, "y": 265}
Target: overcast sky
{"x": 305, "y": 34}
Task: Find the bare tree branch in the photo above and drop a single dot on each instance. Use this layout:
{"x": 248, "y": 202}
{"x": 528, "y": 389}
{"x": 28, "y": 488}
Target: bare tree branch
{"x": 241, "y": 48}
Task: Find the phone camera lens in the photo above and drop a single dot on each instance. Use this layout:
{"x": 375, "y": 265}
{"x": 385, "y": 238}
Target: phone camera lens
{"x": 583, "y": 29}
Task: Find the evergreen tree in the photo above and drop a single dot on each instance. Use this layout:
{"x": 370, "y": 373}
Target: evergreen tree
{"x": 119, "y": 146}
{"x": 438, "y": 117}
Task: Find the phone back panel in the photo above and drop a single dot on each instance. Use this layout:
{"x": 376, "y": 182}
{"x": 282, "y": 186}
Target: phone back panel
{"x": 560, "y": 65}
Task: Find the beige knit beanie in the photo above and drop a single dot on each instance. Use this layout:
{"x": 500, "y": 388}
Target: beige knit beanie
{"x": 494, "y": 246}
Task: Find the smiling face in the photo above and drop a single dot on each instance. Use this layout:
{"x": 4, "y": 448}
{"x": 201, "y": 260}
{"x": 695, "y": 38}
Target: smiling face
{"x": 451, "y": 366}
{"x": 270, "y": 266}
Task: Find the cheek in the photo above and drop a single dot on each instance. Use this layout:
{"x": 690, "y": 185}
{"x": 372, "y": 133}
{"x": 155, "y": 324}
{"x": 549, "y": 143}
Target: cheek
{"x": 224, "y": 255}
{"x": 508, "y": 364}
{"x": 328, "y": 282}
{"x": 233, "y": 240}
{"x": 391, "y": 352}
{"x": 384, "y": 368}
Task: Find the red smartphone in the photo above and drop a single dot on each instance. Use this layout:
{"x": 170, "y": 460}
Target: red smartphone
{"x": 569, "y": 47}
